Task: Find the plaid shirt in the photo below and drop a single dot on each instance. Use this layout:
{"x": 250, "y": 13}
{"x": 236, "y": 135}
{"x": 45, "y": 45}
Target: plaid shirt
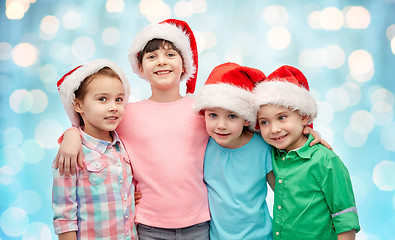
{"x": 98, "y": 201}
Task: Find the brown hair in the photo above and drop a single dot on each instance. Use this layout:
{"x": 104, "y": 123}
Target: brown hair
{"x": 82, "y": 89}
{"x": 154, "y": 45}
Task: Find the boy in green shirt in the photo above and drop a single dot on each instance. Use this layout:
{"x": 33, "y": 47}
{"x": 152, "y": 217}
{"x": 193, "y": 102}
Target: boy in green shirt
{"x": 313, "y": 196}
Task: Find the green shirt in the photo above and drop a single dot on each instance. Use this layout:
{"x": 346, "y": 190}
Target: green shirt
{"x": 313, "y": 197}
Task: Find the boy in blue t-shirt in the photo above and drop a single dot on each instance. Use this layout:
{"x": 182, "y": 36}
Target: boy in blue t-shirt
{"x": 237, "y": 161}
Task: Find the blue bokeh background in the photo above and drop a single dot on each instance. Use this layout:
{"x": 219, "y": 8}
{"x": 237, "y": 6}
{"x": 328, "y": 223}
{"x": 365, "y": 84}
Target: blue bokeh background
{"x": 345, "y": 48}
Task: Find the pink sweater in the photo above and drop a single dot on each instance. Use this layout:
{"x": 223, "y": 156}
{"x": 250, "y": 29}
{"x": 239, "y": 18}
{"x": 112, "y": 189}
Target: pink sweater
{"x": 166, "y": 143}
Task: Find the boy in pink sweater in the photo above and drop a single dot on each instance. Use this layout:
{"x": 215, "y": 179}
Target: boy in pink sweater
{"x": 164, "y": 137}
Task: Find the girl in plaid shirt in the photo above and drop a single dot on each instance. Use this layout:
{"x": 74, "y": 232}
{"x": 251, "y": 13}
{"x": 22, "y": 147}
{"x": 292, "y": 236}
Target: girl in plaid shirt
{"x": 97, "y": 202}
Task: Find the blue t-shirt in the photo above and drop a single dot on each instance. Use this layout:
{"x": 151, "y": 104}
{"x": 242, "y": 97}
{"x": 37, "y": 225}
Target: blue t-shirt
{"x": 237, "y": 189}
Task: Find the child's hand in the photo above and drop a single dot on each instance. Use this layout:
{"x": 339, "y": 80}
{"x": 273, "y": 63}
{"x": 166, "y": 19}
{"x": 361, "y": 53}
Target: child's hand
{"x": 316, "y": 136}
{"x": 69, "y": 153}
{"x": 137, "y": 197}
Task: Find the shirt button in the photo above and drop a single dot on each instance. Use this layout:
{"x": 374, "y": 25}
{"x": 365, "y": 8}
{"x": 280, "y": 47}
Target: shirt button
{"x": 126, "y": 216}
{"x": 97, "y": 166}
{"x": 277, "y": 233}
{"x": 279, "y": 207}
{"x": 127, "y": 234}
{"x": 280, "y": 181}
{"x": 121, "y": 181}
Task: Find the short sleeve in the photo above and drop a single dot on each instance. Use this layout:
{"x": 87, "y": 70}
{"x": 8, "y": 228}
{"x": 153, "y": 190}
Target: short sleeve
{"x": 268, "y": 159}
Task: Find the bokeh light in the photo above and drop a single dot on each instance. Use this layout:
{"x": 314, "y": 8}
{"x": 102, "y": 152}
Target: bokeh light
{"x": 110, "y": 36}
{"x": 49, "y": 27}
{"x": 25, "y": 54}
{"x": 361, "y": 65}
{"x": 71, "y": 20}
{"x": 47, "y": 132}
{"x": 331, "y": 18}
{"x": 155, "y": 10}
{"x": 14, "y": 221}
{"x": 275, "y": 15}
{"x": 37, "y": 231}
{"x": 15, "y": 10}
{"x": 114, "y": 6}
{"x": 5, "y": 51}
{"x": 83, "y": 48}
{"x": 183, "y": 9}
{"x": 279, "y": 38}
{"x": 383, "y": 175}
{"x": 357, "y": 17}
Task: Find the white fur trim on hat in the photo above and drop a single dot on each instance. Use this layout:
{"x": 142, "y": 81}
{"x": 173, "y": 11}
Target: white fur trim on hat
{"x": 73, "y": 81}
{"x": 166, "y": 31}
{"x": 287, "y": 95}
{"x": 229, "y": 97}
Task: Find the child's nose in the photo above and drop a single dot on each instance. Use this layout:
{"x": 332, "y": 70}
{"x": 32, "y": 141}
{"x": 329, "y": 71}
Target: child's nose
{"x": 161, "y": 59}
{"x": 113, "y": 107}
{"x": 275, "y": 127}
{"x": 221, "y": 123}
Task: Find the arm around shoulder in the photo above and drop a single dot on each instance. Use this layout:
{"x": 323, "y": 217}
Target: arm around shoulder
{"x": 271, "y": 179}
{"x": 70, "y": 152}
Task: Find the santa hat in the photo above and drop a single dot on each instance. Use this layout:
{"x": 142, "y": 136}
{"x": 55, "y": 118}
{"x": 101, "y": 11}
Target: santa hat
{"x": 287, "y": 87}
{"x": 72, "y": 80}
{"x": 177, "y": 32}
{"x": 229, "y": 86}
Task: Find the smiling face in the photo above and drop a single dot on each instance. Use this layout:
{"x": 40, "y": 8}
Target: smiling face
{"x": 102, "y": 106}
{"x": 281, "y": 127}
{"x": 226, "y": 127}
{"x": 162, "y": 67}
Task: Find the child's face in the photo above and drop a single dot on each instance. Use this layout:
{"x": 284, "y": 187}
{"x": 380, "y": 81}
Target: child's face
{"x": 162, "y": 68}
{"x": 102, "y": 106}
{"x": 225, "y": 126}
{"x": 281, "y": 127}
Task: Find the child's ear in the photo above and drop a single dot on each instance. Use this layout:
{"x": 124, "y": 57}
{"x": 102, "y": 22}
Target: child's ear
{"x": 247, "y": 123}
{"x": 202, "y": 113}
{"x": 77, "y": 106}
{"x": 305, "y": 120}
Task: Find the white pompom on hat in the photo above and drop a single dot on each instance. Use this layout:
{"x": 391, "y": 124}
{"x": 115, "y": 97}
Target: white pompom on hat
{"x": 287, "y": 87}
{"x": 229, "y": 86}
{"x": 177, "y": 32}
{"x": 72, "y": 80}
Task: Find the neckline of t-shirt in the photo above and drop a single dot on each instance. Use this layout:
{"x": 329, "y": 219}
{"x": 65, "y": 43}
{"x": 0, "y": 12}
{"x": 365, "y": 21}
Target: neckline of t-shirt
{"x": 237, "y": 149}
{"x": 164, "y": 103}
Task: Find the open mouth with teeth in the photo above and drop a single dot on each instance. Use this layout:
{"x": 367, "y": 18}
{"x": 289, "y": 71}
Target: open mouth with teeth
{"x": 163, "y": 72}
{"x": 280, "y": 138}
{"x": 111, "y": 118}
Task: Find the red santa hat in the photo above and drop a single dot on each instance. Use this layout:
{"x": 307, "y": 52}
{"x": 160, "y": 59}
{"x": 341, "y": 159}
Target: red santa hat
{"x": 72, "y": 80}
{"x": 287, "y": 87}
{"x": 180, "y": 34}
{"x": 229, "y": 86}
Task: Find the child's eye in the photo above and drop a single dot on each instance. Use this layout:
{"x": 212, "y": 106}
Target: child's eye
{"x": 171, "y": 55}
{"x": 151, "y": 56}
{"x": 119, "y": 99}
{"x": 282, "y": 117}
{"x": 263, "y": 122}
{"x": 102, "y": 99}
{"x": 232, "y": 116}
{"x": 212, "y": 115}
